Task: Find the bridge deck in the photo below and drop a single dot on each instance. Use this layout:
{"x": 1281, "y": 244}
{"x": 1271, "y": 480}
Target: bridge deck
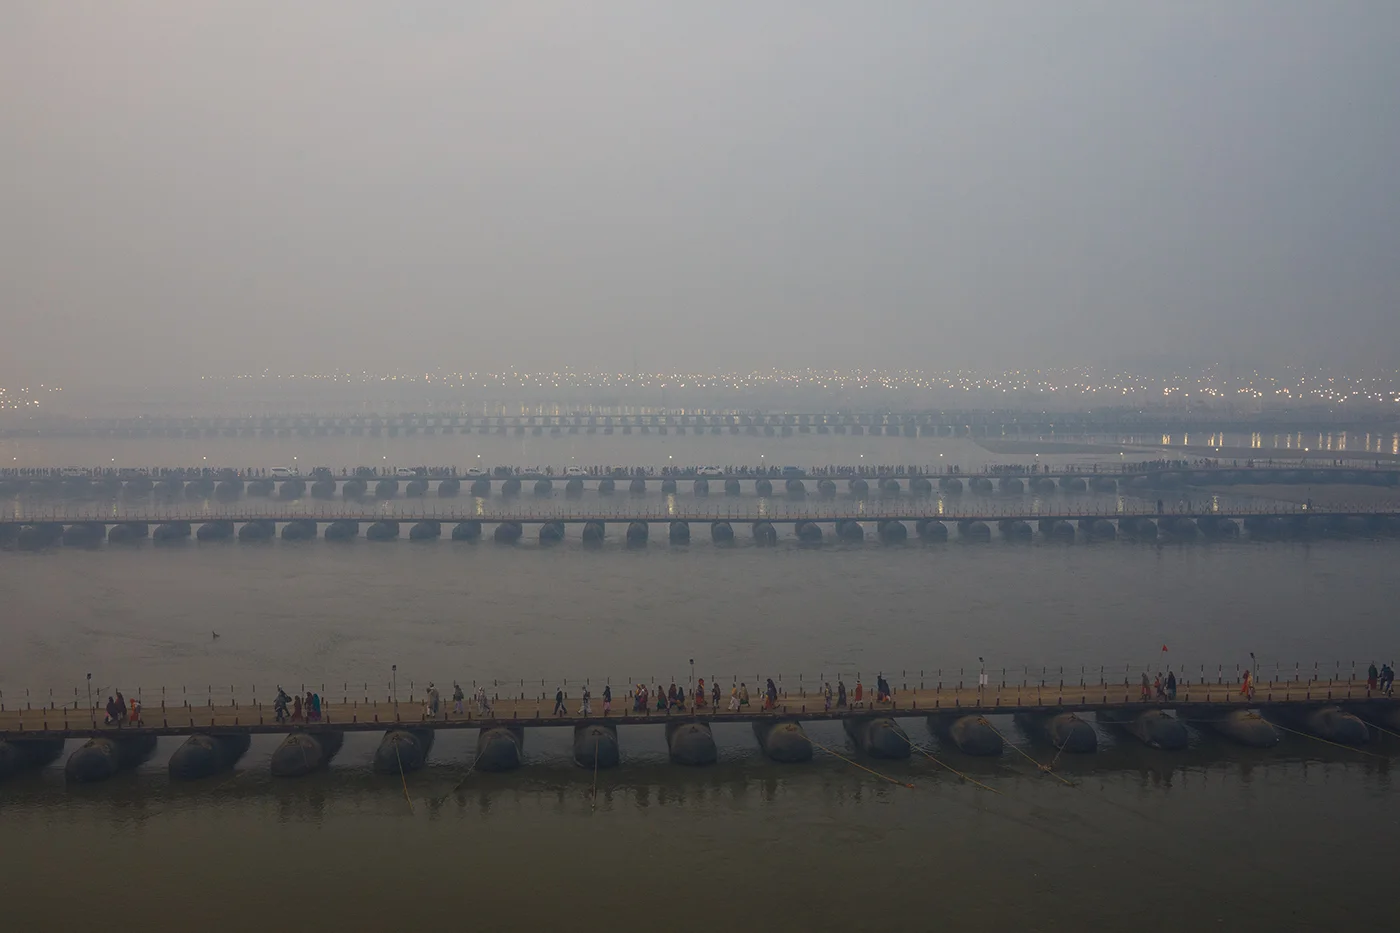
{"x": 352, "y": 714}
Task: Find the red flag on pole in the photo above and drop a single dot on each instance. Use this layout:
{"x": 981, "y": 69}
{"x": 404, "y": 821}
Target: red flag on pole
{"x": 1164, "y": 647}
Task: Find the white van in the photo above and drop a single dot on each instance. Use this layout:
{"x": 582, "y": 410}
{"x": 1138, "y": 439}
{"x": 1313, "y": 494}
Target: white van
{"x": 282, "y": 472}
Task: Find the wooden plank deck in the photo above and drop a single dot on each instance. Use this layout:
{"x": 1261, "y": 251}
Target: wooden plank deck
{"x": 361, "y": 715}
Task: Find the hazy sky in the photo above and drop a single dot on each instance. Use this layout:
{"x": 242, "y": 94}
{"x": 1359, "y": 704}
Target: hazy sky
{"x": 221, "y": 187}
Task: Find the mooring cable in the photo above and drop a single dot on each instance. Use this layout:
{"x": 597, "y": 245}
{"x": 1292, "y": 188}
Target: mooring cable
{"x": 1022, "y": 752}
{"x": 857, "y": 764}
{"x": 403, "y": 778}
{"x": 922, "y": 751}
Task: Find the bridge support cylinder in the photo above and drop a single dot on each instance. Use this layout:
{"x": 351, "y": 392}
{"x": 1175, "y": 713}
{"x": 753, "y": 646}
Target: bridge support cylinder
{"x": 637, "y": 534}
{"x": 974, "y": 532}
{"x": 1327, "y": 722}
{"x": 171, "y": 532}
{"x": 342, "y": 530}
{"x": 858, "y": 488}
{"x": 1154, "y": 728}
{"x": 970, "y": 734}
{"x": 1101, "y": 529}
{"x": 301, "y": 753}
{"x": 1011, "y": 485}
{"x": 638, "y": 487}
{"x": 691, "y": 743}
{"x": 878, "y": 736}
{"x": 510, "y": 488}
{"x": 1242, "y": 726}
{"x": 783, "y": 740}
{"x": 481, "y": 488}
{"x": 668, "y": 487}
{"x": 449, "y": 488}
{"x": 551, "y": 532}
{"x": 508, "y": 532}
{"x": 593, "y": 532}
{"x": 19, "y": 755}
{"x": 892, "y": 532}
{"x": 606, "y": 486}
{"x": 731, "y": 487}
{"x": 100, "y": 758}
{"x": 427, "y": 530}
{"x": 795, "y": 489}
{"x": 354, "y": 490}
{"x": 299, "y": 530}
{"x": 763, "y": 488}
{"x": 544, "y": 488}
{"x": 467, "y": 531}
{"x": 826, "y": 489}
{"x": 215, "y": 531}
{"x": 403, "y": 750}
{"x": 87, "y": 534}
{"x": 920, "y": 486}
{"x": 386, "y": 489}
{"x": 721, "y": 533}
{"x": 595, "y": 746}
{"x": 1065, "y": 731}
{"x": 808, "y": 532}
{"x": 321, "y": 489}
{"x": 951, "y": 485}
{"x": 416, "y": 488}
{"x": 1013, "y": 529}
{"x": 127, "y": 532}
{"x": 764, "y": 533}
{"x": 573, "y": 489}
{"x": 205, "y": 755}
{"x": 259, "y": 529}
{"x": 498, "y": 748}
{"x": 889, "y": 487}
{"x": 680, "y": 532}
{"x": 382, "y": 531}
{"x": 700, "y": 488}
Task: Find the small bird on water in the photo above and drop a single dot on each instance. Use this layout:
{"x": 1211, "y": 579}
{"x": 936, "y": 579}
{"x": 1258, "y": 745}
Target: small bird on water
{"x": 215, "y": 634}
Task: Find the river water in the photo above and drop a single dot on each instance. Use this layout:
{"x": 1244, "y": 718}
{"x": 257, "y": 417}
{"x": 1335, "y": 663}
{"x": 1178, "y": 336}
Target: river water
{"x": 1294, "y": 838}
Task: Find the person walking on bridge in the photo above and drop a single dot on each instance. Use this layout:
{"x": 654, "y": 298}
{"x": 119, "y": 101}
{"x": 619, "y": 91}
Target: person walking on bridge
{"x": 607, "y": 699}
{"x": 1247, "y": 686}
{"x": 734, "y": 699}
{"x": 559, "y": 708}
{"x": 586, "y": 709}
{"x": 1146, "y": 688}
{"x": 121, "y": 708}
{"x": 279, "y": 704}
{"x": 1371, "y": 676}
{"x": 457, "y": 697}
{"x": 714, "y": 695}
{"x": 1171, "y": 685}
{"x": 114, "y": 713}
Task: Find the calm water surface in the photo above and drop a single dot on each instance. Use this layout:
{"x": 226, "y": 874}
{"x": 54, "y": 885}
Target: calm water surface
{"x": 1297, "y": 838}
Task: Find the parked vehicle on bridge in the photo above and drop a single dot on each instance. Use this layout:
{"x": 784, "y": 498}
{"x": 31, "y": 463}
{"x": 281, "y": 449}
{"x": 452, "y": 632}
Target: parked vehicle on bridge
{"x": 575, "y": 471}
{"x": 792, "y": 472}
{"x": 474, "y": 473}
{"x": 709, "y": 471}
{"x": 282, "y": 472}
{"x": 409, "y": 472}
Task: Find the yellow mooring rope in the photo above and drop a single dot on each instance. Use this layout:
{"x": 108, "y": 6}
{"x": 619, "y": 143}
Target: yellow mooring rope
{"x": 1018, "y": 749}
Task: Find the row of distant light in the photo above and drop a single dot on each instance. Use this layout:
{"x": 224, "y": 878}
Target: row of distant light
{"x": 23, "y": 398}
{"x": 1257, "y": 386}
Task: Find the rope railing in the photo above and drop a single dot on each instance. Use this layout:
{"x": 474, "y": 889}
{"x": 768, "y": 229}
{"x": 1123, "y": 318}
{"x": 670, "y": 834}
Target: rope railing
{"x": 1125, "y": 680}
{"x": 779, "y": 511}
